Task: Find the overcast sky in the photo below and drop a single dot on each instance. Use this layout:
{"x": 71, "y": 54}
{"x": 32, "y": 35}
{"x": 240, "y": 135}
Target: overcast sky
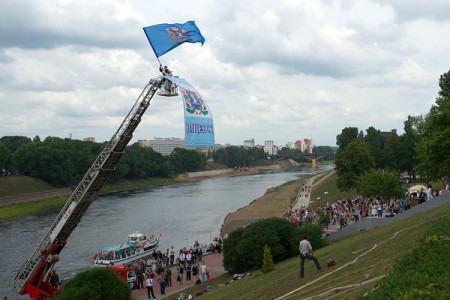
{"x": 279, "y": 70}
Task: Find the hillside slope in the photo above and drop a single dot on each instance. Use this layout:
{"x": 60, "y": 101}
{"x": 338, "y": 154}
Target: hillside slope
{"x": 362, "y": 259}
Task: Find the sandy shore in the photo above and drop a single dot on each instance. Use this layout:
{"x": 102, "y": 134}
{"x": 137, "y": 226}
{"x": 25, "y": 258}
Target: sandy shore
{"x": 194, "y": 176}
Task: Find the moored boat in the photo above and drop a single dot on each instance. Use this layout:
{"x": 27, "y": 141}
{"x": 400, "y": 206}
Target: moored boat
{"x": 138, "y": 246}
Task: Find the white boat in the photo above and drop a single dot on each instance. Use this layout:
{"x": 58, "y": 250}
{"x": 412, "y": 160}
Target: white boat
{"x": 138, "y": 246}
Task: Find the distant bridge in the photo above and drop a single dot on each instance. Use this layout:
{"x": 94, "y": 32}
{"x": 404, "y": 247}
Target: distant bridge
{"x": 313, "y": 157}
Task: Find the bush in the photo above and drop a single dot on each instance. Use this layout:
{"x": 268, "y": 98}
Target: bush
{"x": 267, "y": 262}
{"x": 96, "y": 284}
{"x": 244, "y": 247}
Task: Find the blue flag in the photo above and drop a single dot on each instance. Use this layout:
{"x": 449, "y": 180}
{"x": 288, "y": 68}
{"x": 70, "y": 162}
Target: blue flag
{"x": 165, "y": 37}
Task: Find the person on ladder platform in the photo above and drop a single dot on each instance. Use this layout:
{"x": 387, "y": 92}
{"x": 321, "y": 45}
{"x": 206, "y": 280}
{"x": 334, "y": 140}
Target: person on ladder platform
{"x": 166, "y": 83}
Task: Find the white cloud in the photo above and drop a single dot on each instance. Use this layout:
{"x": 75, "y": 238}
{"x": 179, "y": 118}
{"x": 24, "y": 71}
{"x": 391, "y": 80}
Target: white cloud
{"x": 282, "y": 71}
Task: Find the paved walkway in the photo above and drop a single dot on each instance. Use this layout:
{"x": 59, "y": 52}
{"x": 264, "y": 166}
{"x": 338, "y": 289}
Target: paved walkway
{"x": 213, "y": 262}
{"x": 304, "y": 194}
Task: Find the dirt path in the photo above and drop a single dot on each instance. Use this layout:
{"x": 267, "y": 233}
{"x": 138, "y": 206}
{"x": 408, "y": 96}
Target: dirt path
{"x": 33, "y": 197}
{"x": 304, "y": 194}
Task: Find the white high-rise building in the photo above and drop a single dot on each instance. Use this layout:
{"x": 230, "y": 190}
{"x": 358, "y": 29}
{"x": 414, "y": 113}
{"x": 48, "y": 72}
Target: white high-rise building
{"x": 268, "y": 147}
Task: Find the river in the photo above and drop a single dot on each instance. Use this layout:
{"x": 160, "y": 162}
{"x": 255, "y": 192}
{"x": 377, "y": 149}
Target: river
{"x": 180, "y": 214}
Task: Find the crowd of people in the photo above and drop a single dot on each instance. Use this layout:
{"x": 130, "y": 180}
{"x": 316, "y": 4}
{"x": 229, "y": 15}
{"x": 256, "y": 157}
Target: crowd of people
{"x": 186, "y": 264}
{"x": 343, "y": 212}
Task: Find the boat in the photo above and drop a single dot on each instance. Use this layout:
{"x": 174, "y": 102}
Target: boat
{"x": 138, "y": 246}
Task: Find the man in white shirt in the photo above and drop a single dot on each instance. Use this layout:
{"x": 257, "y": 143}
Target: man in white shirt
{"x": 149, "y": 285}
{"x": 306, "y": 252}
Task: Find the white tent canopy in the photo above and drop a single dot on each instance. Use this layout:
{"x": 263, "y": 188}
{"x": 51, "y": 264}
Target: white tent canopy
{"x": 416, "y": 188}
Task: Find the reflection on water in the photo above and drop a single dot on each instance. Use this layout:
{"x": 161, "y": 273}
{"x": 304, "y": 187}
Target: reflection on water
{"x": 180, "y": 214}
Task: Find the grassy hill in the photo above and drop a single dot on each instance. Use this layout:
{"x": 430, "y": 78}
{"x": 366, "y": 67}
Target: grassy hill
{"x": 361, "y": 260}
{"x": 19, "y": 185}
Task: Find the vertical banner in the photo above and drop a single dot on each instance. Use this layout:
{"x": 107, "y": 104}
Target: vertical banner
{"x": 198, "y": 120}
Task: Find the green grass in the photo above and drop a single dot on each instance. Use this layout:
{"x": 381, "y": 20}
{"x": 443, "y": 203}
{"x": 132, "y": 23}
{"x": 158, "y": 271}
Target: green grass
{"x": 330, "y": 186}
{"x": 19, "y": 185}
{"x": 23, "y": 209}
{"x": 379, "y": 250}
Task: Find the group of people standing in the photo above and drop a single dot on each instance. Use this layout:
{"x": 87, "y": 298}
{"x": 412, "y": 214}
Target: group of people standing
{"x": 186, "y": 263}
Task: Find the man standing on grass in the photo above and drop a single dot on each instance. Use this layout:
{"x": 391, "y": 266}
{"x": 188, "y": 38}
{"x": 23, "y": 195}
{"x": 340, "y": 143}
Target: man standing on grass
{"x": 306, "y": 252}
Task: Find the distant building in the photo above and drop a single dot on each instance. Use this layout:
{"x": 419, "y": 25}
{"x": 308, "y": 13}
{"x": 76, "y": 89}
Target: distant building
{"x": 165, "y": 146}
{"x": 249, "y": 143}
{"x": 290, "y": 145}
{"x": 268, "y": 147}
{"x": 307, "y": 145}
{"x": 299, "y": 145}
{"x": 89, "y": 139}
{"x": 144, "y": 143}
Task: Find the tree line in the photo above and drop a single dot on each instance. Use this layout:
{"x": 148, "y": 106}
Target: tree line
{"x": 63, "y": 162}
{"x": 365, "y": 159}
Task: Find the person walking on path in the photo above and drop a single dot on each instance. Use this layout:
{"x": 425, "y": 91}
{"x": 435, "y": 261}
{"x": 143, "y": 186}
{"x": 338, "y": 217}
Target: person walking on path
{"x": 306, "y": 252}
{"x": 203, "y": 269}
{"x": 149, "y": 286}
{"x": 169, "y": 277}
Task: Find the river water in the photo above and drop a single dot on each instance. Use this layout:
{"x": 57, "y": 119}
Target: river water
{"x": 180, "y": 214}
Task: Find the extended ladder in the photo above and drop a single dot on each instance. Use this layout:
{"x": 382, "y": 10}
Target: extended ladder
{"x": 30, "y": 278}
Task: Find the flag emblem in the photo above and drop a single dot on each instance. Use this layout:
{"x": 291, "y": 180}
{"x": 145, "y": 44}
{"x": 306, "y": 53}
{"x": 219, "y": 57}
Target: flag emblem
{"x": 178, "y": 35}
{"x": 194, "y": 103}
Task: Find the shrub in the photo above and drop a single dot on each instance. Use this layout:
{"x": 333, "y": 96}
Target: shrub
{"x": 96, "y": 284}
{"x": 244, "y": 247}
{"x": 267, "y": 262}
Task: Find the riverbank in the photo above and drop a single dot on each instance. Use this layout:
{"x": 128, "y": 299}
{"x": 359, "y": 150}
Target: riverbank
{"x": 194, "y": 176}
{"x": 275, "y": 202}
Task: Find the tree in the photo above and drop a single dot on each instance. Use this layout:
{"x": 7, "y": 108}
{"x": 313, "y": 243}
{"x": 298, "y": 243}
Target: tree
{"x": 97, "y": 283}
{"x": 5, "y": 159}
{"x": 235, "y": 156}
{"x": 351, "y": 162}
{"x": 407, "y": 149}
{"x": 187, "y": 160}
{"x": 433, "y": 149}
{"x": 12, "y": 143}
{"x": 391, "y": 149}
{"x": 267, "y": 260}
{"x": 379, "y": 183}
{"x": 346, "y": 136}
